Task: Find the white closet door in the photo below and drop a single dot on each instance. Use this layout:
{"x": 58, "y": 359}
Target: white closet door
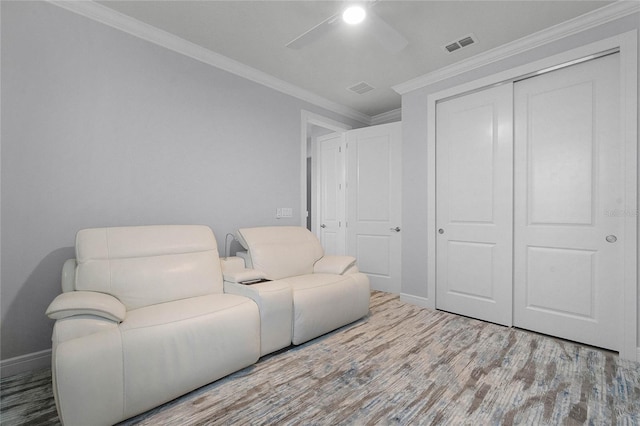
{"x": 474, "y": 154}
{"x": 568, "y": 185}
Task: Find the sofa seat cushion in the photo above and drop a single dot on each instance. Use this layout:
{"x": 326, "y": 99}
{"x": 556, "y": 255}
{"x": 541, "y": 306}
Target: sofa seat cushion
{"x": 324, "y": 302}
{"x": 180, "y": 310}
{"x": 172, "y": 348}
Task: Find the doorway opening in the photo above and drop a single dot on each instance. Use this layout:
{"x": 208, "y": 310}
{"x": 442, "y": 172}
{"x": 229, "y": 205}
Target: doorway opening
{"x": 312, "y": 126}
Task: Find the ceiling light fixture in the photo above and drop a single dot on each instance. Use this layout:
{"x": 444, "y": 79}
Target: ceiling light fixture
{"x": 354, "y": 15}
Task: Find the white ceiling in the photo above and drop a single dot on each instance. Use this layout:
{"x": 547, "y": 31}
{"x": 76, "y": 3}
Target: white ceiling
{"x": 255, "y": 33}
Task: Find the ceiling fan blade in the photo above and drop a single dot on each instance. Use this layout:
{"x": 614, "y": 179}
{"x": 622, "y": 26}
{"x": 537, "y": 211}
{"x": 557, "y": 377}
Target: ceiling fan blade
{"x": 386, "y": 35}
{"x": 315, "y": 33}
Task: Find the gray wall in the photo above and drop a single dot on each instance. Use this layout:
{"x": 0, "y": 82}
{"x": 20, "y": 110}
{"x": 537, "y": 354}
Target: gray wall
{"x": 100, "y": 128}
{"x": 414, "y": 150}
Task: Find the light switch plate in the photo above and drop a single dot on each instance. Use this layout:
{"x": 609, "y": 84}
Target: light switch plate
{"x": 284, "y": 212}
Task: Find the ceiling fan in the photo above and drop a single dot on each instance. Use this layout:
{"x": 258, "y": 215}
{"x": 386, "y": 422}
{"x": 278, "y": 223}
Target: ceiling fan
{"x": 385, "y": 34}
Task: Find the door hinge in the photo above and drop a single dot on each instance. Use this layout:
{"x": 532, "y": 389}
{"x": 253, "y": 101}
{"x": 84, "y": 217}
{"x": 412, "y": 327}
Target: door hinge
{"x": 339, "y": 149}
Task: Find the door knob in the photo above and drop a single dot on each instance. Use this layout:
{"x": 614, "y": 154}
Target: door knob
{"x": 611, "y": 238}
{"x": 396, "y": 229}
{"x": 440, "y": 231}
{"x": 323, "y": 226}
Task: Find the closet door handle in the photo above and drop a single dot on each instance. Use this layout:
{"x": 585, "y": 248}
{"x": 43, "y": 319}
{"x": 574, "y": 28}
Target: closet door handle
{"x": 396, "y": 229}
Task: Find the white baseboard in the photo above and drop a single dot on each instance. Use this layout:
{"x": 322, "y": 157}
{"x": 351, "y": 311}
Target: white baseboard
{"x": 22, "y": 363}
{"x": 638, "y": 355}
{"x": 423, "y": 302}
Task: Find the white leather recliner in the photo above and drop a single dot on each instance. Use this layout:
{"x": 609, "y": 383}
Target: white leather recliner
{"x": 328, "y": 291}
{"x": 142, "y": 320}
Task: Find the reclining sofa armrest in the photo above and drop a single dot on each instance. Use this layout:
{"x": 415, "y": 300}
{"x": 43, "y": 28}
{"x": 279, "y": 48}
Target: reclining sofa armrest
{"x": 275, "y": 302}
{"x": 86, "y": 303}
{"x": 339, "y": 265}
{"x": 243, "y": 276}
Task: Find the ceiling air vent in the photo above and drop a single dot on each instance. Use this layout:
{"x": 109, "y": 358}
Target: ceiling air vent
{"x": 459, "y": 44}
{"x": 452, "y": 47}
{"x": 361, "y": 88}
{"x": 466, "y": 41}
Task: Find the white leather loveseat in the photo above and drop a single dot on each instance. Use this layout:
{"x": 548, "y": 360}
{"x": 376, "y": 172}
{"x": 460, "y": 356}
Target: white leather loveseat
{"x": 142, "y": 320}
{"x": 327, "y": 292}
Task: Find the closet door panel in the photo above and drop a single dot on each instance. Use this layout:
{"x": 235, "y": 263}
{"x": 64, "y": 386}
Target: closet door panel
{"x": 561, "y": 175}
{"x": 474, "y": 205}
{"x": 568, "y": 180}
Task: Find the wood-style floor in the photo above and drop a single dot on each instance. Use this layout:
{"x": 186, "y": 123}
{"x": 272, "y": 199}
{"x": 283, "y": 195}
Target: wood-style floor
{"x": 401, "y": 365}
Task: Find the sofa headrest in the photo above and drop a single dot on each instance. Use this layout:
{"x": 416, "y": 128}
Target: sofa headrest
{"x": 142, "y": 241}
{"x": 146, "y": 265}
{"x": 281, "y": 251}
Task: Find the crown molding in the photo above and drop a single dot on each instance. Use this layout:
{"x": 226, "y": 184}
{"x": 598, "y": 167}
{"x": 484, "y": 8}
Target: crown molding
{"x": 573, "y": 26}
{"x": 127, "y": 24}
{"x": 387, "y": 117}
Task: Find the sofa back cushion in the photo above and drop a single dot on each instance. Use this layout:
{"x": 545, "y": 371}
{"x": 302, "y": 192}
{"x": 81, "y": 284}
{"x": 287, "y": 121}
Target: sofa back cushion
{"x": 147, "y": 265}
{"x": 281, "y": 251}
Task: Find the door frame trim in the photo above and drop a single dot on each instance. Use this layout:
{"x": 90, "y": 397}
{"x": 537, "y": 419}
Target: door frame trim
{"x": 627, "y": 44}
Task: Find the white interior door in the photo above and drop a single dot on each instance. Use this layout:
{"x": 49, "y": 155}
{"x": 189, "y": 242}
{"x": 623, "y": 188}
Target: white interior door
{"x": 474, "y": 154}
{"x": 331, "y": 182}
{"x": 569, "y": 182}
{"x": 374, "y": 203}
